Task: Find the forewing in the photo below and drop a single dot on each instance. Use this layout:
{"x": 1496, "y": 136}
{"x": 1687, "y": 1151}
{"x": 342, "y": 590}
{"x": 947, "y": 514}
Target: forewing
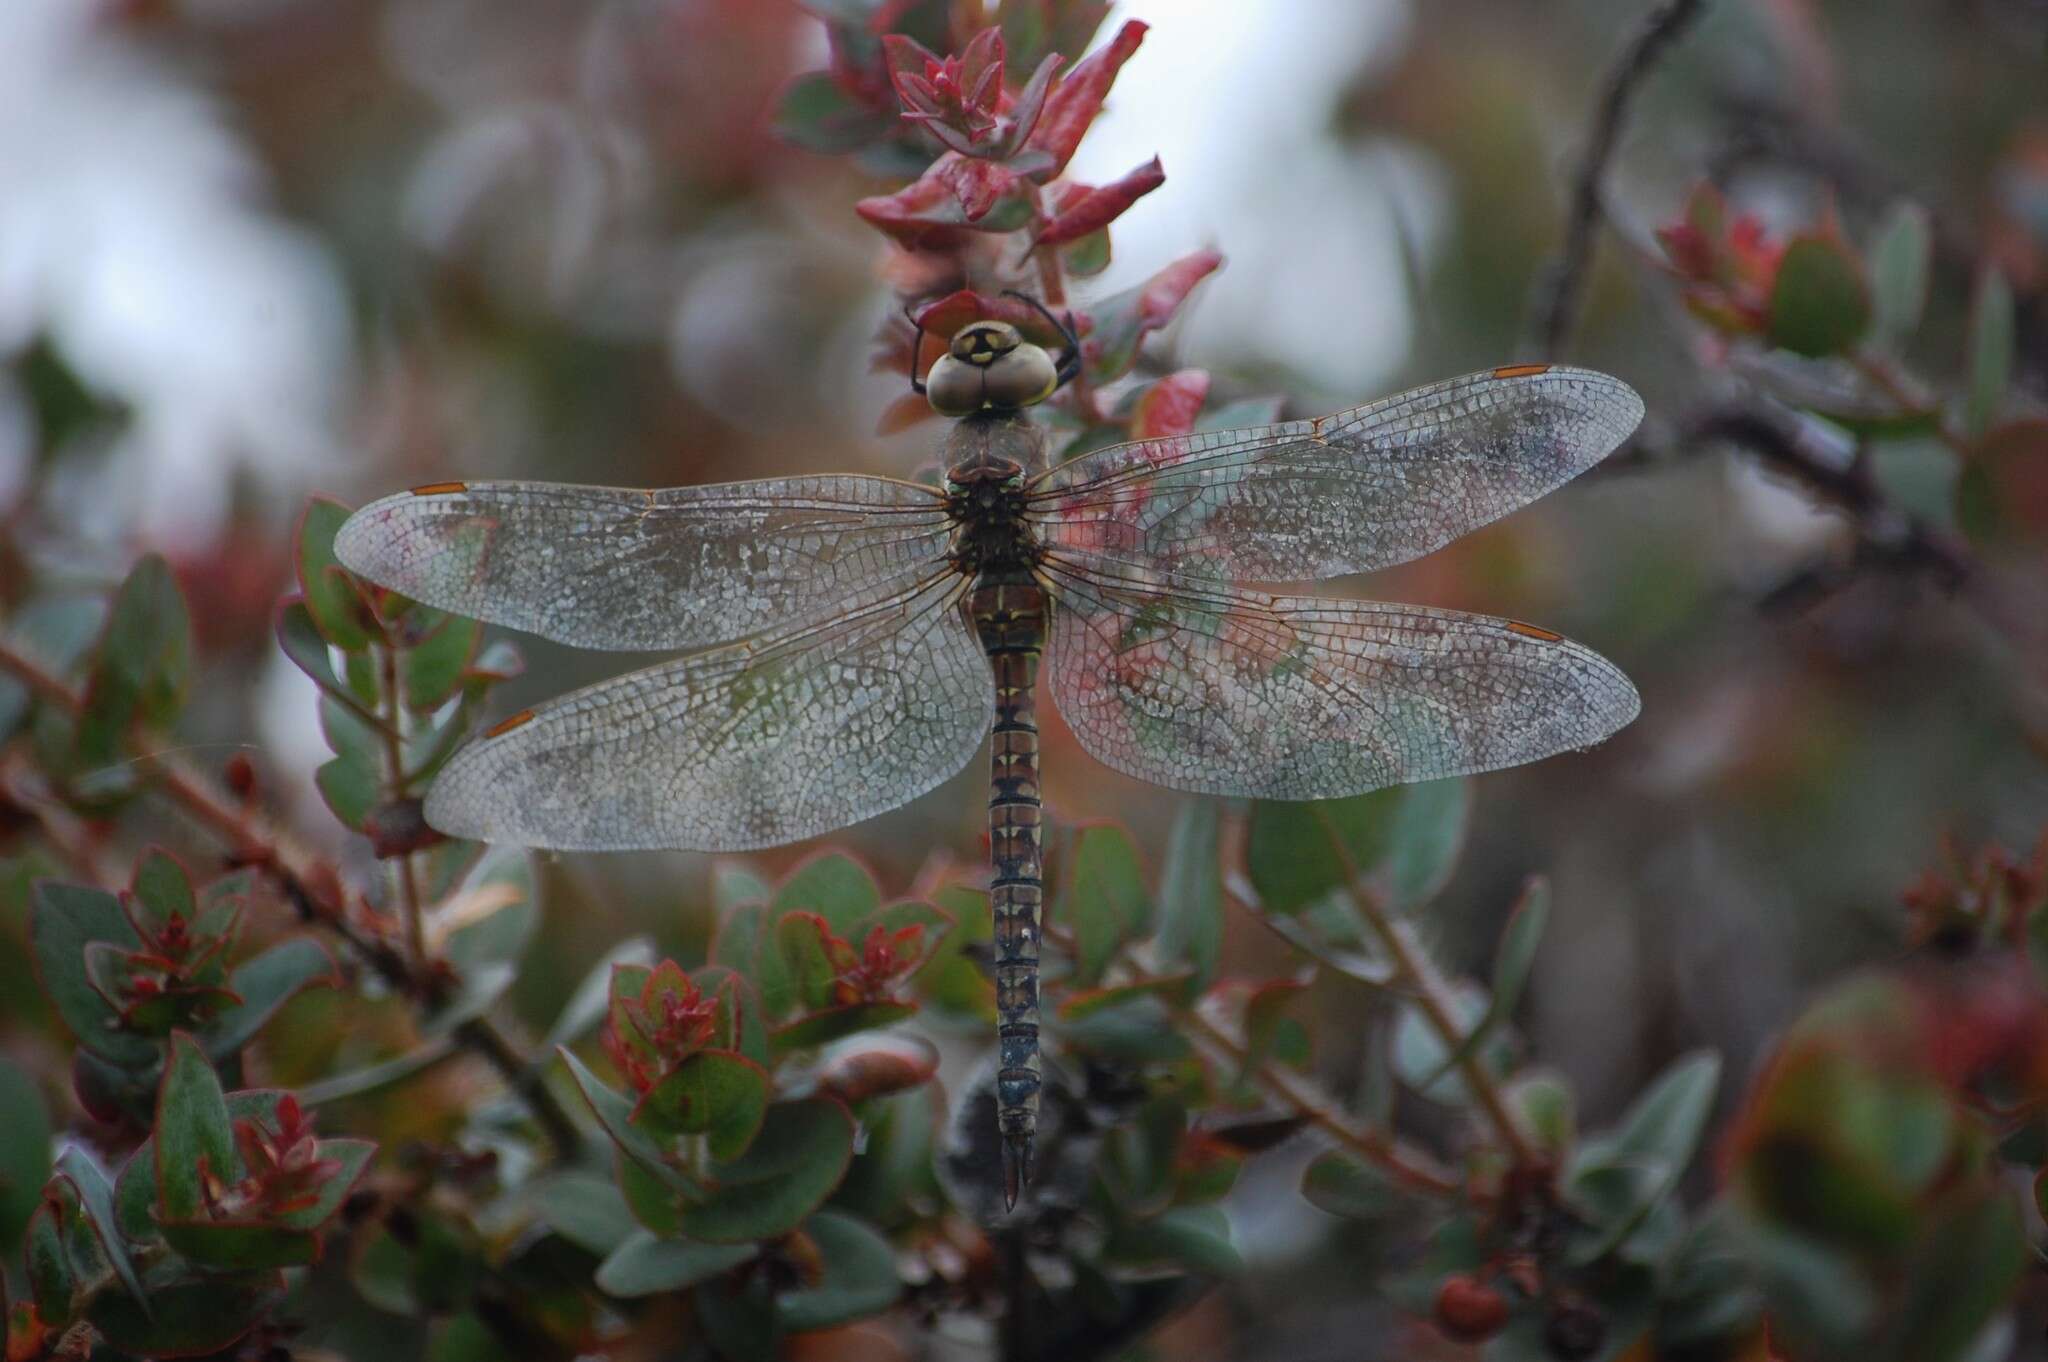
{"x": 1234, "y": 692}
{"x": 607, "y": 567}
{"x": 1363, "y": 489}
{"x": 771, "y": 740}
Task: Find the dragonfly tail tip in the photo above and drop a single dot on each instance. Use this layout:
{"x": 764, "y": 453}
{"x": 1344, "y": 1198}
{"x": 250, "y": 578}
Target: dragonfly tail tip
{"x": 1016, "y": 1168}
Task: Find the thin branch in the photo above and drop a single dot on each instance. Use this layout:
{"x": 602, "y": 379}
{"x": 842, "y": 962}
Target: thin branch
{"x": 1409, "y": 1167}
{"x": 1431, "y": 994}
{"x": 1565, "y": 279}
{"x": 1052, "y": 283}
{"x": 394, "y": 788}
{"x": 252, "y": 841}
{"x": 1884, "y": 531}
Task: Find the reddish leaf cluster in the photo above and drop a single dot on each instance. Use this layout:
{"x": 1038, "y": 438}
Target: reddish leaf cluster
{"x": 178, "y": 977}
{"x": 1001, "y": 155}
{"x": 885, "y": 959}
{"x": 648, "y": 1033}
{"x": 283, "y": 1169}
{"x": 1729, "y": 266}
{"x": 960, "y": 99}
{"x": 1993, "y": 895}
{"x": 1807, "y": 294}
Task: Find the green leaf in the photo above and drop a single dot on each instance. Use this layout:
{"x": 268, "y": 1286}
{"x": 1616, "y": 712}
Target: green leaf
{"x": 1547, "y": 1107}
{"x": 191, "y": 1128}
{"x": 1102, "y": 896}
{"x": 1428, "y": 830}
{"x": 741, "y": 1024}
{"x": 265, "y": 983}
{"x": 646, "y": 1266}
{"x": 792, "y": 1166}
{"x": 615, "y": 1114}
{"x": 1121, "y": 321}
{"x": 1138, "y": 1031}
{"x": 56, "y": 630}
{"x": 1819, "y": 304}
{"x": 300, "y": 640}
{"x": 383, "y": 1074}
{"x": 859, "y": 1277}
{"x": 1618, "y": 1178}
{"x": 950, "y": 981}
{"x": 143, "y": 666}
{"x": 1421, "y": 1056}
{"x": 241, "y": 1245}
{"x": 1288, "y": 852}
{"x": 66, "y": 918}
{"x": 331, "y": 597}
{"x": 1991, "y": 345}
{"x": 1898, "y": 272}
{"x": 350, "y": 789}
{"x": 1193, "y": 1237}
{"x": 894, "y": 917}
{"x": 734, "y": 884}
{"x": 654, "y": 1203}
{"x": 1087, "y": 256}
{"x": 831, "y": 884}
{"x": 96, "y": 1197}
{"x": 163, "y": 889}
{"x": 737, "y": 946}
{"x": 1512, "y": 962}
{"x": 834, "y": 1023}
{"x": 187, "y": 1317}
{"x": 815, "y": 114}
{"x": 352, "y": 1157}
{"x": 1191, "y": 890}
{"x": 590, "y": 1000}
{"x": 1172, "y": 987}
{"x": 24, "y": 1153}
{"x": 806, "y": 961}
{"x": 1341, "y": 1185}
{"x": 1970, "y": 1261}
{"x": 587, "y": 1210}
{"x": 498, "y": 908}
{"x": 715, "y": 1093}
{"x": 48, "y": 1266}
{"x": 895, "y": 1162}
{"x": 431, "y": 670}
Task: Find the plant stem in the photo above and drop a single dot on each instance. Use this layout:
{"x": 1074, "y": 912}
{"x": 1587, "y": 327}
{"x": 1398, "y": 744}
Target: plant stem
{"x": 253, "y": 841}
{"x": 1880, "y": 374}
{"x": 1431, "y": 994}
{"x": 1052, "y": 283}
{"x": 1409, "y": 1167}
{"x": 1560, "y": 300}
{"x": 394, "y": 788}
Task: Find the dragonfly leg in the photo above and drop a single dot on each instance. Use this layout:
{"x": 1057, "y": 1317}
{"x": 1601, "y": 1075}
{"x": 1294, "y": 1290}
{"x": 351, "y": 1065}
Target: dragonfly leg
{"x": 916, "y": 350}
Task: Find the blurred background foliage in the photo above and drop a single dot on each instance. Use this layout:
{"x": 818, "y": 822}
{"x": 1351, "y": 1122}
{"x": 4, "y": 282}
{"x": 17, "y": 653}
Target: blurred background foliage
{"x": 252, "y": 250}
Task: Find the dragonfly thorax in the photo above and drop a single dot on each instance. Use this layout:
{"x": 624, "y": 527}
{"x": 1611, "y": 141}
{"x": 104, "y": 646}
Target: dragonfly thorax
{"x": 990, "y": 457}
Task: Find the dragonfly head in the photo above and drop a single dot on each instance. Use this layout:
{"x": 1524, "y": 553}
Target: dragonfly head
{"x": 990, "y": 367}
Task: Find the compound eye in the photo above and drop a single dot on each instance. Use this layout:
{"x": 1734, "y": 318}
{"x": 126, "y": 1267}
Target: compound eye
{"x": 983, "y": 342}
{"x": 1021, "y": 378}
{"x": 952, "y": 387}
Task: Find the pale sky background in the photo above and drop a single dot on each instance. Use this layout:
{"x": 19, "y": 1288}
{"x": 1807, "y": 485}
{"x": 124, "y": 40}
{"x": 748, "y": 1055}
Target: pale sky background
{"x": 1235, "y": 99}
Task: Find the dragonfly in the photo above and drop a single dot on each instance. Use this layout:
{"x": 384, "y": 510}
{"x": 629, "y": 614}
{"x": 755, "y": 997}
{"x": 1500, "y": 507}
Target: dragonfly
{"x": 848, "y": 642}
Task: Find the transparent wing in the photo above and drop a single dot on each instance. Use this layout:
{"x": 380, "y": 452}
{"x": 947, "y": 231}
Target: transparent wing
{"x": 606, "y": 567}
{"x": 1363, "y": 489}
{"x": 1235, "y": 692}
{"x": 757, "y": 743}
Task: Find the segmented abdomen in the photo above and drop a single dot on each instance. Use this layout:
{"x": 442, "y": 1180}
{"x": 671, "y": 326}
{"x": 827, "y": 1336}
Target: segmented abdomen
{"x": 1009, "y": 612}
